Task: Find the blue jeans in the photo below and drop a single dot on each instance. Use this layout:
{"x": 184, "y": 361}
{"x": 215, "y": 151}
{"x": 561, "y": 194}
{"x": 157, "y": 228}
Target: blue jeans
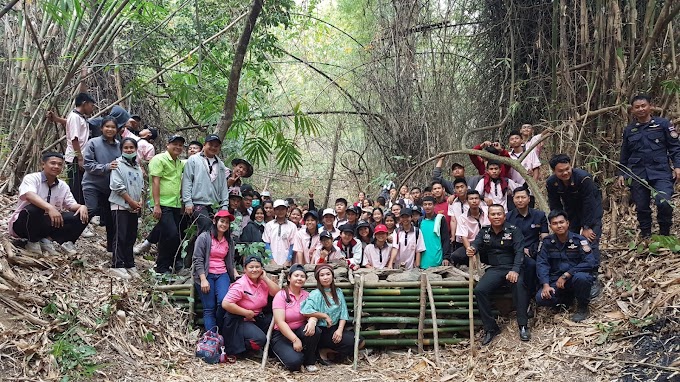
{"x": 212, "y": 301}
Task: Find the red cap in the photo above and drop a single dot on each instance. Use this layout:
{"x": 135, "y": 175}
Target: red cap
{"x": 380, "y": 228}
{"x": 224, "y": 214}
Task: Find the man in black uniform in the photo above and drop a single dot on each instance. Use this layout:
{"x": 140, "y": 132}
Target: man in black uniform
{"x": 501, "y": 246}
{"x": 565, "y": 266}
{"x": 648, "y": 144}
{"x": 574, "y": 191}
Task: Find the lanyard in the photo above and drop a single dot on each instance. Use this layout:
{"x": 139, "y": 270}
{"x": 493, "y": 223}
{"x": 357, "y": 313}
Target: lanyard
{"x": 380, "y": 251}
{"x": 210, "y": 166}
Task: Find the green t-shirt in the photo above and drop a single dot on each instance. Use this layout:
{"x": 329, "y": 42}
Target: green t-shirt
{"x": 432, "y": 257}
{"x": 170, "y": 172}
{"x": 315, "y": 303}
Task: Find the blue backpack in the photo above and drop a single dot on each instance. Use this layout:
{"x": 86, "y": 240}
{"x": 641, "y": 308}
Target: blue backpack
{"x": 208, "y": 347}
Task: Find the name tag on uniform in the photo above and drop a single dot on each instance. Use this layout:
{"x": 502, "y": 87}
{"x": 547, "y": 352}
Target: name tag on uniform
{"x": 507, "y": 236}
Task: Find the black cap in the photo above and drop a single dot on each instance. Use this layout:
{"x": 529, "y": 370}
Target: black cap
{"x": 326, "y": 235}
{"x": 212, "y": 137}
{"x": 81, "y": 98}
{"x": 416, "y": 210}
{"x": 354, "y": 209}
{"x": 136, "y": 117}
{"x": 406, "y": 212}
{"x": 51, "y": 154}
{"x": 154, "y": 133}
{"x": 176, "y": 137}
{"x": 456, "y": 164}
{"x": 312, "y": 214}
{"x": 249, "y": 167}
{"x": 347, "y": 228}
{"x": 362, "y": 224}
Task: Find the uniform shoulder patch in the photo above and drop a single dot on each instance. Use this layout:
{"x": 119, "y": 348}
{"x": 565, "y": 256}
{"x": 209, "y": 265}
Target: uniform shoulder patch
{"x": 586, "y": 246}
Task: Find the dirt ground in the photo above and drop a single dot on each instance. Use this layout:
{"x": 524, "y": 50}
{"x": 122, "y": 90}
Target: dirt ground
{"x": 66, "y": 318}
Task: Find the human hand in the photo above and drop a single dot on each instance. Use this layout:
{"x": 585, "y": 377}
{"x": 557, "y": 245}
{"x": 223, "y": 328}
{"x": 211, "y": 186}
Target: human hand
{"x": 488, "y": 201}
{"x": 561, "y": 282}
{"x": 589, "y": 234}
{"x": 547, "y": 292}
{"x": 486, "y": 144}
{"x": 81, "y": 162}
{"x": 446, "y": 263}
{"x": 676, "y": 175}
{"x": 113, "y": 165}
{"x": 470, "y": 251}
{"x": 157, "y": 212}
{"x": 512, "y": 276}
{"x": 329, "y": 322}
{"x": 205, "y": 286}
{"x": 82, "y": 212}
{"x": 337, "y": 336}
{"x": 621, "y": 181}
{"x": 55, "y": 217}
{"x": 310, "y": 327}
{"x": 189, "y": 210}
{"x": 49, "y": 116}
{"x": 135, "y": 205}
{"x": 250, "y": 315}
{"x": 451, "y": 198}
{"x": 526, "y": 252}
{"x": 497, "y": 145}
{"x": 297, "y": 345}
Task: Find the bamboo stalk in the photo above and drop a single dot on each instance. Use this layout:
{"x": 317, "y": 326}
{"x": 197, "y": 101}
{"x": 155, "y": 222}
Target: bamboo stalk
{"x": 414, "y": 292}
{"x": 433, "y": 312}
{"x": 471, "y": 282}
{"x": 421, "y": 313}
{"x": 415, "y": 284}
{"x": 401, "y": 332}
{"x": 416, "y": 311}
{"x": 404, "y": 305}
{"x": 407, "y": 341}
{"x": 192, "y": 297}
{"x": 453, "y": 298}
{"x": 357, "y": 319}
{"x": 415, "y": 320}
{"x": 173, "y": 287}
{"x": 265, "y": 355}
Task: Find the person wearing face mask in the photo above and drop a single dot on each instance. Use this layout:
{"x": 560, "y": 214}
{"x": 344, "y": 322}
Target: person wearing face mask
{"x": 295, "y": 337}
{"x": 126, "y": 184}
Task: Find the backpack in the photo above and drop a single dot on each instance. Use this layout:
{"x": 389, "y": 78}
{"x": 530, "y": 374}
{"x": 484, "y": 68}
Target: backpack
{"x": 208, "y": 347}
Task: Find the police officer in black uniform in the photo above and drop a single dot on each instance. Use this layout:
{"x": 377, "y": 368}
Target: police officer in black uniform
{"x": 574, "y": 191}
{"x": 500, "y": 246}
{"x": 648, "y": 144}
{"x": 564, "y": 267}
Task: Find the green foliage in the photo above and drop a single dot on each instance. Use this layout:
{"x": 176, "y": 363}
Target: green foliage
{"x": 607, "y": 329}
{"x": 73, "y": 355}
{"x": 188, "y": 234}
{"x": 254, "y": 249}
{"x": 148, "y": 337}
{"x": 659, "y": 242}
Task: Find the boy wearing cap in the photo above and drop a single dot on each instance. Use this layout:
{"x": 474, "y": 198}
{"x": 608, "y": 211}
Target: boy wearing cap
{"x": 435, "y": 235}
{"x": 47, "y": 210}
{"x": 77, "y": 134}
{"x": 241, "y": 168}
{"x": 307, "y": 239}
{"x": 407, "y": 243}
{"x": 328, "y": 221}
{"x": 279, "y": 233}
{"x": 203, "y": 184}
{"x": 350, "y": 248}
{"x": 165, "y": 170}
{"x": 457, "y": 171}
{"x": 326, "y": 252}
{"x": 377, "y": 254}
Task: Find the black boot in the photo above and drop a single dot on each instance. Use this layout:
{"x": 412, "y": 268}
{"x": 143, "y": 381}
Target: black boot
{"x": 489, "y": 336}
{"x": 665, "y": 230}
{"x": 524, "y": 333}
{"x": 581, "y": 314}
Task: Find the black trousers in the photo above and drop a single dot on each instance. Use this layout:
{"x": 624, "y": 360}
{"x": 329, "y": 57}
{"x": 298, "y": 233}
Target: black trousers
{"x": 291, "y": 359}
{"x": 459, "y": 257}
{"x": 346, "y": 345}
{"x": 75, "y": 180}
{"x": 34, "y": 224}
{"x": 168, "y": 238}
{"x": 493, "y": 279}
{"x": 97, "y": 203}
{"x": 125, "y": 223}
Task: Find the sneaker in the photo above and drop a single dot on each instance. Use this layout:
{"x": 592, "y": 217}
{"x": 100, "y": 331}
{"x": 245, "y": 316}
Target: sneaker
{"x": 33, "y": 247}
{"x": 47, "y": 246}
{"x": 69, "y": 248}
{"x": 120, "y": 273}
{"x": 311, "y": 368}
{"x": 142, "y": 247}
{"x": 87, "y": 233}
{"x": 95, "y": 220}
{"x": 133, "y": 272}
{"x": 581, "y": 314}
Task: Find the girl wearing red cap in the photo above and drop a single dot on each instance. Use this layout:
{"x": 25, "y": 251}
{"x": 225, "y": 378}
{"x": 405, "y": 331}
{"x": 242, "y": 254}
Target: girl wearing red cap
{"x": 214, "y": 267}
{"x": 378, "y": 252}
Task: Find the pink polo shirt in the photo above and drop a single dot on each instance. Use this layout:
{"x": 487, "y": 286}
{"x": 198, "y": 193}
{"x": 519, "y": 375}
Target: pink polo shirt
{"x": 303, "y": 242}
{"x": 78, "y": 129}
{"x": 378, "y": 257}
{"x": 294, "y": 318}
{"x": 248, "y": 295}
{"x": 407, "y": 246}
{"x": 469, "y": 227}
{"x": 336, "y": 255}
{"x": 280, "y": 238}
{"x": 218, "y": 251}
{"x": 145, "y": 150}
{"x": 59, "y": 195}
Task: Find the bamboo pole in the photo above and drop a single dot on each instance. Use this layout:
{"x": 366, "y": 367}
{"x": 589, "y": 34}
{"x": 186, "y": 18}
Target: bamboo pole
{"x": 415, "y": 320}
{"x": 415, "y": 284}
{"x": 412, "y": 304}
{"x": 265, "y": 355}
{"x": 414, "y": 292}
{"x": 407, "y": 341}
{"x": 452, "y": 298}
{"x": 433, "y": 312}
{"x": 357, "y": 321}
{"x": 421, "y": 314}
{"x": 402, "y": 332}
{"x": 416, "y": 312}
{"x": 471, "y": 282}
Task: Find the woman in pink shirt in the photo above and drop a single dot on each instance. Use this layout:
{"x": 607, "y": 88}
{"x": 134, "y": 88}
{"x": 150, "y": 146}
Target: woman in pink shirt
{"x": 213, "y": 260}
{"x": 245, "y": 325}
{"x": 295, "y": 337}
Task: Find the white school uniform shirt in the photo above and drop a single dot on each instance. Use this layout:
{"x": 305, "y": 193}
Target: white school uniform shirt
{"x": 407, "y": 244}
{"x": 530, "y": 162}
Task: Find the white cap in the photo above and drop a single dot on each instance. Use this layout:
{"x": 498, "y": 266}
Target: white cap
{"x": 265, "y": 193}
{"x": 280, "y": 203}
{"x": 328, "y": 211}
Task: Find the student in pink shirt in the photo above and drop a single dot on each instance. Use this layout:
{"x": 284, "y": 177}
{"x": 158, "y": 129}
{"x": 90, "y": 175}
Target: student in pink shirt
{"x": 295, "y": 337}
{"x": 378, "y": 252}
{"x": 213, "y": 260}
{"x": 407, "y": 243}
{"x": 77, "y": 134}
{"x": 307, "y": 239}
{"x": 327, "y": 252}
{"x": 469, "y": 224}
{"x": 245, "y": 325}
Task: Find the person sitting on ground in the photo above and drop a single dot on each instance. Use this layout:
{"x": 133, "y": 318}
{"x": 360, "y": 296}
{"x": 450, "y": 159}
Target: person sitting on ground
{"x": 565, "y": 267}
{"x": 327, "y": 252}
{"x": 100, "y": 157}
{"x": 327, "y": 304}
{"x": 500, "y": 245}
{"x": 279, "y": 233}
{"x": 203, "y": 184}
{"x": 467, "y": 228}
{"x": 328, "y": 221}
{"x": 47, "y": 210}
{"x": 307, "y": 239}
{"x": 435, "y": 236}
{"x": 457, "y": 171}
{"x": 240, "y": 169}
{"x": 407, "y": 245}
{"x": 252, "y": 232}
{"x": 350, "y": 248}
{"x": 377, "y": 254}
{"x": 126, "y": 184}
{"x": 295, "y": 337}
{"x": 213, "y": 260}
{"x": 494, "y": 187}
{"x": 574, "y": 191}
{"x": 492, "y": 148}
{"x": 245, "y": 324}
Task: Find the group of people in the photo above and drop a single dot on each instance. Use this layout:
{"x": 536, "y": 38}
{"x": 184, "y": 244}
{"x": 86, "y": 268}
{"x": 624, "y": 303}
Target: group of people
{"x": 489, "y": 216}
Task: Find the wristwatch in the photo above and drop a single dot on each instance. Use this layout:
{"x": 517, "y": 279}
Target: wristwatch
{"x": 564, "y": 276}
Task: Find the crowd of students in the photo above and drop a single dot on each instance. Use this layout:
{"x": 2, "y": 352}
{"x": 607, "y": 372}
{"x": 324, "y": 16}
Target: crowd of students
{"x": 448, "y": 222}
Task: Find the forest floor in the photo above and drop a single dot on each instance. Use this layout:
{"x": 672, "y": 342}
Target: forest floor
{"x": 63, "y": 316}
